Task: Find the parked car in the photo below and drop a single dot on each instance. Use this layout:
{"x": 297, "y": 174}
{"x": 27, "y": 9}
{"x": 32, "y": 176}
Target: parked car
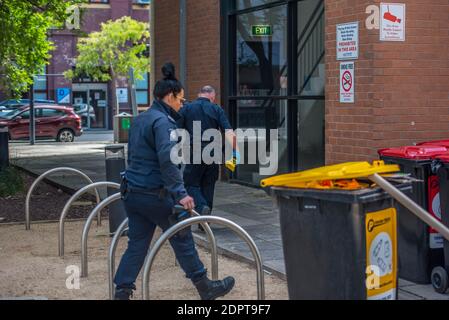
{"x": 84, "y": 111}
{"x": 13, "y": 102}
{"x": 56, "y": 122}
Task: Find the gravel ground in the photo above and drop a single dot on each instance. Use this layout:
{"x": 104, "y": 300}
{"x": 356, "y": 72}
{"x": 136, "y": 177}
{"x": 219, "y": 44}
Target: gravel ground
{"x": 30, "y": 267}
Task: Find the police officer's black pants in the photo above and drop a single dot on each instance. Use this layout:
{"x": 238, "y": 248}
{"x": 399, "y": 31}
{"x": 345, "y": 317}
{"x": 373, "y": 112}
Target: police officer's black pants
{"x": 145, "y": 212}
{"x": 200, "y": 182}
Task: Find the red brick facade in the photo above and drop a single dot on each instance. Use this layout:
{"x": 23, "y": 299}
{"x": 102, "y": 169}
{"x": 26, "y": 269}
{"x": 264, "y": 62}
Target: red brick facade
{"x": 402, "y": 88}
{"x": 203, "y": 41}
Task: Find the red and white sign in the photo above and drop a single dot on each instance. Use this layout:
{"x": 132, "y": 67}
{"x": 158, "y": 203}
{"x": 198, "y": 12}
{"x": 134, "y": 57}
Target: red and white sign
{"x": 392, "y": 22}
{"x": 348, "y": 41}
{"x": 436, "y": 240}
{"x": 347, "y": 82}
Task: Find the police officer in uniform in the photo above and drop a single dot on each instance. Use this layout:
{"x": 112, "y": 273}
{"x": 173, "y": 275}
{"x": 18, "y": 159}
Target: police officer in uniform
{"x": 152, "y": 185}
{"x": 200, "y": 178}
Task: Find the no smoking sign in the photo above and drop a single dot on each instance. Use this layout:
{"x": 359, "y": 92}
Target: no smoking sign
{"x": 347, "y": 82}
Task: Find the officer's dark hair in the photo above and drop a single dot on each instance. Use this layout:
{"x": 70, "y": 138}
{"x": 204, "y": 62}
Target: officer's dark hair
{"x": 169, "y": 84}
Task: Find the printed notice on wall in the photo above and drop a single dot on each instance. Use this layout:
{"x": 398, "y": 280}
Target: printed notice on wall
{"x": 348, "y": 41}
{"x": 392, "y": 22}
{"x": 347, "y": 82}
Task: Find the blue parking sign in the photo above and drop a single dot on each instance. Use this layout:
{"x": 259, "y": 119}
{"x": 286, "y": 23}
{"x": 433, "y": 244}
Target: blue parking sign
{"x": 63, "y": 95}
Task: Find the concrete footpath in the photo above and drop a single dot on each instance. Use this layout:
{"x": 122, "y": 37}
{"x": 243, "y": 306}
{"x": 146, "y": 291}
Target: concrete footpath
{"x": 250, "y": 208}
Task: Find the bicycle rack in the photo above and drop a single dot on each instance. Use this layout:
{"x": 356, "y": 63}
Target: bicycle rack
{"x": 192, "y": 221}
{"x": 42, "y": 177}
{"x": 95, "y": 212}
{"x": 69, "y": 203}
{"x": 123, "y": 227}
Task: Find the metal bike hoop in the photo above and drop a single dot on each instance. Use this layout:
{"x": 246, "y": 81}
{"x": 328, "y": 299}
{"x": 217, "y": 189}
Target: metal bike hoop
{"x": 122, "y": 228}
{"x": 192, "y": 221}
{"x": 42, "y": 177}
{"x": 69, "y": 203}
{"x": 96, "y": 212}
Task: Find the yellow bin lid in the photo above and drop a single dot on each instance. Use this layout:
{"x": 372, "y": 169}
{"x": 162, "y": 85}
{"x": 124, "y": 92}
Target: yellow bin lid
{"x": 349, "y": 170}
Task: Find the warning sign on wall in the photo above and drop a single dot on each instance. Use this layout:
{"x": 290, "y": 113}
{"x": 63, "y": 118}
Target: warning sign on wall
{"x": 381, "y": 253}
{"x": 347, "y": 82}
{"x": 392, "y": 22}
{"x": 348, "y": 41}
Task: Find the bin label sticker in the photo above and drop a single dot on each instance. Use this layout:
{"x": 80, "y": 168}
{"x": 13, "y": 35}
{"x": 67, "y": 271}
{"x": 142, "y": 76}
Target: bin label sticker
{"x": 126, "y": 123}
{"x": 381, "y": 253}
{"x": 435, "y": 239}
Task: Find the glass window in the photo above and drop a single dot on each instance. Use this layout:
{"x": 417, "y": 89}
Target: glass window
{"x": 142, "y": 84}
{"x": 25, "y": 115}
{"x": 257, "y": 115}
{"x": 262, "y": 52}
{"x": 310, "y": 52}
{"x": 40, "y": 96}
{"x": 48, "y": 113}
{"x": 245, "y": 4}
{"x": 142, "y": 97}
{"x": 311, "y": 117}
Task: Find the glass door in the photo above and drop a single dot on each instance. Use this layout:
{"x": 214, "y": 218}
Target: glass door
{"x": 98, "y": 109}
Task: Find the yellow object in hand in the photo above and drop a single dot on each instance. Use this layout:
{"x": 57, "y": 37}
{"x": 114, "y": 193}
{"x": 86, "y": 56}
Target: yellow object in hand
{"x": 231, "y": 164}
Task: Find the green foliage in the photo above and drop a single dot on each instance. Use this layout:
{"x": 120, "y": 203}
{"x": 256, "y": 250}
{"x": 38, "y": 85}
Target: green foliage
{"x": 24, "y": 47}
{"x": 111, "y": 52}
{"x": 11, "y": 182}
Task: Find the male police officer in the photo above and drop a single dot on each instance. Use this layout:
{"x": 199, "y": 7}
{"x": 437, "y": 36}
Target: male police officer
{"x": 200, "y": 178}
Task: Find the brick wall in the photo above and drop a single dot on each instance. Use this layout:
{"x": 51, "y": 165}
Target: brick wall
{"x": 203, "y": 41}
{"x": 203, "y": 45}
{"x": 402, "y": 88}
{"x": 166, "y": 40}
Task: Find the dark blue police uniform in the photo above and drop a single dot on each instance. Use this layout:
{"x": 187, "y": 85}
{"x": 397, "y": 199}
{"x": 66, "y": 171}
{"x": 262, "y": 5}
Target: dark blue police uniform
{"x": 153, "y": 186}
{"x": 200, "y": 179}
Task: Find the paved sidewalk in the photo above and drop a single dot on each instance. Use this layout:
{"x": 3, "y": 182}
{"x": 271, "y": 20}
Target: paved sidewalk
{"x": 250, "y": 208}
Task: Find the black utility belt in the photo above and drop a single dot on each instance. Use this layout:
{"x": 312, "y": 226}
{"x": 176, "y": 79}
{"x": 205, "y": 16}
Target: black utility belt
{"x": 161, "y": 193}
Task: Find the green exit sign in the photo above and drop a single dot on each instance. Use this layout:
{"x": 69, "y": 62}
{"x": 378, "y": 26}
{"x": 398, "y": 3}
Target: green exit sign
{"x": 262, "y": 30}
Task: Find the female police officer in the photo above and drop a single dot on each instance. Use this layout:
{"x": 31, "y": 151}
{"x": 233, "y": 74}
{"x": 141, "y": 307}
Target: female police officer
{"x": 152, "y": 186}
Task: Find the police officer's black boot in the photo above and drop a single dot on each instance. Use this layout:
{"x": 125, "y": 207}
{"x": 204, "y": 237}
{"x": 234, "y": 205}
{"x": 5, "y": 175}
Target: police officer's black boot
{"x": 211, "y": 290}
{"x": 123, "y": 294}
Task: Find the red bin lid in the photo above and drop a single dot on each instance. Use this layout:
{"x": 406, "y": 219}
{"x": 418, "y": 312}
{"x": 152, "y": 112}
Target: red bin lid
{"x": 425, "y": 152}
{"x": 443, "y": 158}
{"x": 444, "y": 143}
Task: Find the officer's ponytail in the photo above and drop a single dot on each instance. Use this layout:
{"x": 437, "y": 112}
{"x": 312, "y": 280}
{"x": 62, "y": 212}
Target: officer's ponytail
{"x": 169, "y": 84}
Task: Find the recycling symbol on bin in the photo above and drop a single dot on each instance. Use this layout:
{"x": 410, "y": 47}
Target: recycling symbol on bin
{"x": 381, "y": 254}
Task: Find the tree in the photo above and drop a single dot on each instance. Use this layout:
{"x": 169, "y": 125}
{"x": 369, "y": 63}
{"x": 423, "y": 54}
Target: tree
{"x": 24, "y": 47}
{"x": 110, "y": 53}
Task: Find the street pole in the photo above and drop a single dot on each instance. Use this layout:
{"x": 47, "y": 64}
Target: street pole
{"x": 32, "y": 123}
{"x": 132, "y": 86}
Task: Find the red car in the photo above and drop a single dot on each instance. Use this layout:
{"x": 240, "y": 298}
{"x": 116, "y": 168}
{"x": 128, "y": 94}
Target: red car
{"x": 57, "y": 122}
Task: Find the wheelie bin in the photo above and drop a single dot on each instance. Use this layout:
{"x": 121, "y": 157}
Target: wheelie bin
{"x": 440, "y": 279}
{"x": 420, "y": 247}
{"x": 339, "y": 236}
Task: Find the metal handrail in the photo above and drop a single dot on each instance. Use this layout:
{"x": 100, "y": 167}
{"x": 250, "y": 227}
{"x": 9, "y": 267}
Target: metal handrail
{"x": 42, "y": 177}
{"x": 411, "y": 205}
{"x": 96, "y": 212}
{"x": 69, "y": 203}
{"x": 192, "y": 221}
{"x": 123, "y": 227}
